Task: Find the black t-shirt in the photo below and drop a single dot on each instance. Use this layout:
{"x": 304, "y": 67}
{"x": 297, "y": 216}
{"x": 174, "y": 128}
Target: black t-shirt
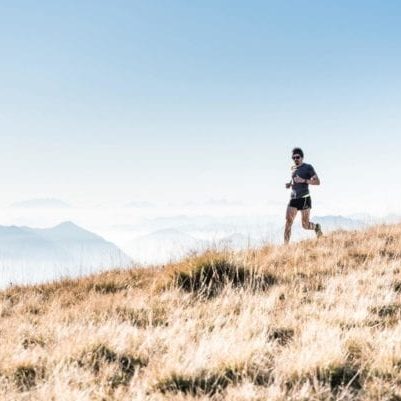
{"x": 305, "y": 171}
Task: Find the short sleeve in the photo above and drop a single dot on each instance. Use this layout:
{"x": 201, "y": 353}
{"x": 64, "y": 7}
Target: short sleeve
{"x": 312, "y": 171}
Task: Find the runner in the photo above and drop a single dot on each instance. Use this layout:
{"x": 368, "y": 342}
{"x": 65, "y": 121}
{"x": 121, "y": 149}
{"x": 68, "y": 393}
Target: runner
{"x": 303, "y": 175}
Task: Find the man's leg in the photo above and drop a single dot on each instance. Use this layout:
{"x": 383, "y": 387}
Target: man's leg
{"x": 308, "y": 225}
{"x": 289, "y": 219}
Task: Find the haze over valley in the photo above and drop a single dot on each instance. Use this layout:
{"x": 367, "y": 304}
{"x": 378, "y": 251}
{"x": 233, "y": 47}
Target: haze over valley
{"x": 45, "y": 239}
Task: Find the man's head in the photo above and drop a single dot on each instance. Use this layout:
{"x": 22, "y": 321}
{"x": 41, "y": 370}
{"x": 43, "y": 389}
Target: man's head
{"x": 297, "y": 156}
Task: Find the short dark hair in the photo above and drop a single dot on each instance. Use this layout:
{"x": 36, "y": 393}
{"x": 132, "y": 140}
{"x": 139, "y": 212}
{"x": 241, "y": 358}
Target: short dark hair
{"x": 298, "y": 151}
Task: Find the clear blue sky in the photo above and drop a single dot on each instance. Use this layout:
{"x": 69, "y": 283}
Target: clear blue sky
{"x": 188, "y": 100}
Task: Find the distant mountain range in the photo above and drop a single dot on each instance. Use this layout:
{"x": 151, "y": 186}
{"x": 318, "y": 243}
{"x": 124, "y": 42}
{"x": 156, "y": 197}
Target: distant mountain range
{"x": 41, "y": 204}
{"x": 33, "y": 254}
{"x": 215, "y": 202}
{"x": 140, "y": 204}
{"x": 163, "y": 246}
{"x": 171, "y": 238}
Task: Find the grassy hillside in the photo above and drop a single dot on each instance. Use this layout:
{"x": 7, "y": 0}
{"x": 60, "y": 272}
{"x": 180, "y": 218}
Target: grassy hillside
{"x": 318, "y": 320}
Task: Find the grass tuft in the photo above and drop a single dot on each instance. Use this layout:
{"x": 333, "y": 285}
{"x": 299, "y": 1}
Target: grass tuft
{"x": 386, "y": 311}
{"x": 204, "y": 382}
{"x": 142, "y": 317}
{"x": 30, "y": 342}
{"x": 96, "y": 356}
{"x": 397, "y": 286}
{"x": 108, "y": 287}
{"x": 281, "y": 335}
{"x": 343, "y": 376}
{"x": 26, "y": 376}
{"x": 209, "y": 273}
{"x": 99, "y": 355}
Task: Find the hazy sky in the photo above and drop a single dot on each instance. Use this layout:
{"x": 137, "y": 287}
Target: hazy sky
{"x": 113, "y": 101}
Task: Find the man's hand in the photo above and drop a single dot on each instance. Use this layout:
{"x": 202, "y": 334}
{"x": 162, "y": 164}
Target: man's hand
{"x": 288, "y": 185}
{"x": 299, "y": 180}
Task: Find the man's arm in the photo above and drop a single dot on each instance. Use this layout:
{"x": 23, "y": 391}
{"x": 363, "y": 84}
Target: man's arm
{"x": 313, "y": 180}
{"x": 290, "y": 183}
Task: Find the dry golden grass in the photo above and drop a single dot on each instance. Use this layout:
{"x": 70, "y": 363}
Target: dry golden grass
{"x": 318, "y": 320}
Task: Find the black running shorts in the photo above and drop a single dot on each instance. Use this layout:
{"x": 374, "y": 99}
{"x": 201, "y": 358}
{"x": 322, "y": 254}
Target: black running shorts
{"x": 301, "y": 203}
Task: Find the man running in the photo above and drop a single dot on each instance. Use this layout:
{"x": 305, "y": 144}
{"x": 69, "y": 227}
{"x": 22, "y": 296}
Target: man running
{"x": 303, "y": 175}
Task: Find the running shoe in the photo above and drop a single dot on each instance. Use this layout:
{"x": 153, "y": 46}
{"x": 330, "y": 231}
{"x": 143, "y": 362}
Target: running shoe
{"x": 318, "y": 230}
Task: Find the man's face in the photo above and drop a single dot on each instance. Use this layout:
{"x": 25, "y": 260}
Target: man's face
{"x": 297, "y": 159}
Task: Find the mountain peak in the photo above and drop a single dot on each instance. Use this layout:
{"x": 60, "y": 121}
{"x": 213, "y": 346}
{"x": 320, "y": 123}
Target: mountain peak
{"x": 68, "y": 229}
{"x": 67, "y": 224}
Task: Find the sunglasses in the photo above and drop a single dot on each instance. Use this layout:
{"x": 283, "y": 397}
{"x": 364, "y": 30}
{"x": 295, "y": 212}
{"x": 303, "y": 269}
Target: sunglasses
{"x": 296, "y": 157}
